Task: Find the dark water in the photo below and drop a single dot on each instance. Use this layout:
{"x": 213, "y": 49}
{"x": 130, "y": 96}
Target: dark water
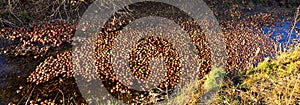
{"x": 2, "y": 60}
{"x": 13, "y": 74}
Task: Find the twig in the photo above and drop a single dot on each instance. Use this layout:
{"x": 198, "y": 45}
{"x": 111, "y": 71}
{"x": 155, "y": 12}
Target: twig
{"x": 294, "y": 24}
{"x": 30, "y": 95}
{"x": 21, "y": 100}
{"x": 293, "y": 91}
{"x": 65, "y": 9}
{"x": 55, "y": 97}
{"x": 56, "y": 10}
{"x": 9, "y": 6}
{"x": 6, "y": 21}
{"x": 63, "y": 96}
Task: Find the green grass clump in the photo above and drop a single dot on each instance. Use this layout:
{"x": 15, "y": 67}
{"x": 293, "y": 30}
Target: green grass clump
{"x": 214, "y": 78}
{"x": 205, "y": 88}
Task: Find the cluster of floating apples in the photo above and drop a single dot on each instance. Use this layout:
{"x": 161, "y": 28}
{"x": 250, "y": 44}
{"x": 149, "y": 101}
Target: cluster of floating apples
{"x": 53, "y": 66}
{"x": 243, "y": 46}
{"x": 246, "y": 44}
{"x": 60, "y": 64}
{"x": 139, "y": 63}
{"x": 37, "y": 39}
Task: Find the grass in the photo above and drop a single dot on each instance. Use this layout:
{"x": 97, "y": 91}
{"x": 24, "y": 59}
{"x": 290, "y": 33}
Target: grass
{"x": 193, "y": 92}
{"x": 273, "y": 81}
{"x": 276, "y": 81}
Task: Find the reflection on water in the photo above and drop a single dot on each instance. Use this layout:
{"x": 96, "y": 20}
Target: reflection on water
{"x": 15, "y": 88}
{"x": 13, "y": 73}
{"x": 282, "y": 33}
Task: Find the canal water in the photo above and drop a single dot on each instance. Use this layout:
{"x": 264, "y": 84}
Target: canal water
{"x": 13, "y": 74}
{"x": 14, "y": 71}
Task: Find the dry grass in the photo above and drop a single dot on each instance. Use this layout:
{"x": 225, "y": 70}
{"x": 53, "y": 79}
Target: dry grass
{"x": 273, "y": 81}
{"x": 199, "y": 91}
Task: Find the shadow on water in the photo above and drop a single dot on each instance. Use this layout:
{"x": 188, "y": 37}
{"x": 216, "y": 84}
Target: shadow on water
{"x": 14, "y": 71}
{"x": 13, "y": 74}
